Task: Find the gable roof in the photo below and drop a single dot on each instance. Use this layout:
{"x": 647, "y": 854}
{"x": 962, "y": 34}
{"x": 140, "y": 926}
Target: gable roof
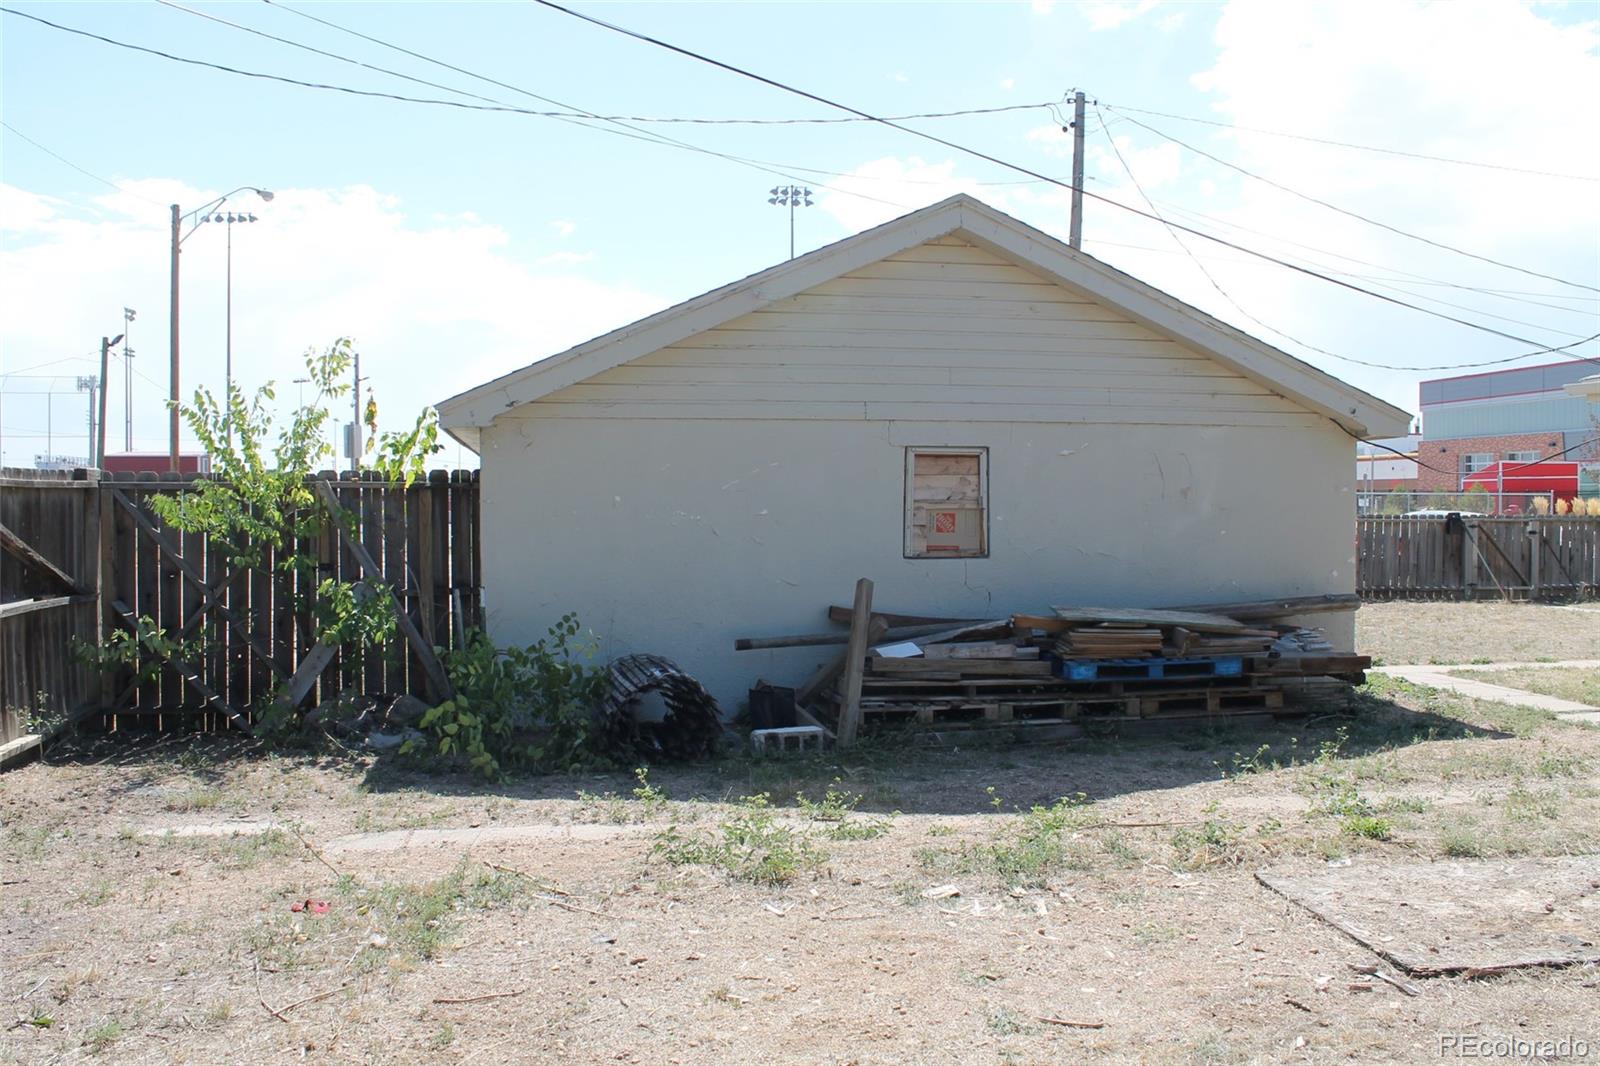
{"x": 1359, "y": 412}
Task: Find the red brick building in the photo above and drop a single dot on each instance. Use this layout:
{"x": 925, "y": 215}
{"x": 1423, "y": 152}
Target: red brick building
{"x": 1473, "y": 421}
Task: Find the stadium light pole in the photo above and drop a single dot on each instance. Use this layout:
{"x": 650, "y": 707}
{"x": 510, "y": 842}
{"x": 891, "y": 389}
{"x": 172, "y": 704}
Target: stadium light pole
{"x": 178, "y": 237}
{"x": 791, "y": 196}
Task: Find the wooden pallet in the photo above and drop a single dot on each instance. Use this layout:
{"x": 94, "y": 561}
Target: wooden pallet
{"x": 1211, "y": 701}
{"x": 927, "y": 708}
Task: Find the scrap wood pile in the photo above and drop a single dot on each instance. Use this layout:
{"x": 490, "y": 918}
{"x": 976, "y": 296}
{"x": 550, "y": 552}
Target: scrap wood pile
{"x": 1065, "y": 667}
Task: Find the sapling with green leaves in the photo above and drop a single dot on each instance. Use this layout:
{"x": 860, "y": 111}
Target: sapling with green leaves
{"x": 259, "y": 503}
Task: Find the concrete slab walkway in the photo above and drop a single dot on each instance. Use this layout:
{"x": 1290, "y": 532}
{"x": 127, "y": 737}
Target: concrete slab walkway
{"x": 400, "y": 839}
{"x": 1438, "y": 676}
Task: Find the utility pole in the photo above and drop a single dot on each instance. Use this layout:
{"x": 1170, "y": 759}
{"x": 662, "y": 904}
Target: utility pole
{"x": 1075, "y": 239}
{"x": 173, "y": 393}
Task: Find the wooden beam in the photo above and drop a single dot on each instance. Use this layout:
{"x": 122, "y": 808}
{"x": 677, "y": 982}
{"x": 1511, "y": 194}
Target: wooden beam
{"x": 808, "y": 640}
{"x": 24, "y": 552}
{"x": 855, "y": 661}
{"x": 190, "y": 675}
{"x": 305, "y": 676}
{"x": 187, "y": 570}
{"x": 841, "y": 615}
{"x": 438, "y": 681}
{"x": 12, "y": 610}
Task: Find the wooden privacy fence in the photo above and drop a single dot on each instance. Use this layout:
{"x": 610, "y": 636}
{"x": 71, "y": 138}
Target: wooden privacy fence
{"x": 252, "y": 627}
{"x": 1437, "y": 558}
{"x": 49, "y": 561}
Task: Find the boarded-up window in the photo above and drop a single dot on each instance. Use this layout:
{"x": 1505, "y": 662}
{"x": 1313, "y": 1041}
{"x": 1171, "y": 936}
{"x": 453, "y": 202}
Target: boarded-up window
{"x": 947, "y": 503}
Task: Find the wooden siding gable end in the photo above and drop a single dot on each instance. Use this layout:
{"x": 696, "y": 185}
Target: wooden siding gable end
{"x": 960, "y": 217}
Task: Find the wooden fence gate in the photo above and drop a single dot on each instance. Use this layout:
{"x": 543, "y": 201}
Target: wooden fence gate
{"x": 1513, "y": 558}
{"x": 250, "y": 628}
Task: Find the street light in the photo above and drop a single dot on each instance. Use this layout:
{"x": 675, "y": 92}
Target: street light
{"x": 791, "y": 196}
{"x": 178, "y": 237}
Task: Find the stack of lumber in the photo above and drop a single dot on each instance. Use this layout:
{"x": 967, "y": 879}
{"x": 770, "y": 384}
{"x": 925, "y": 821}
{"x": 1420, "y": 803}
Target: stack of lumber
{"x": 1107, "y": 642}
{"x": 1073, "y": 664}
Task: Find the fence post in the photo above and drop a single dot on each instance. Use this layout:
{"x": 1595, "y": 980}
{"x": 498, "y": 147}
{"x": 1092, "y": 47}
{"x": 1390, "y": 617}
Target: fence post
{"x": 1535, "y": 546}
{"x": 1469, "y": 559}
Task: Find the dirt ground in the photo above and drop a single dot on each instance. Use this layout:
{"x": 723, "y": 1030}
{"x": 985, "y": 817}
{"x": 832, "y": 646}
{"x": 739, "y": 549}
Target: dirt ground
{"x": 943, "y": 906}
{"x": 1400, "y": 633}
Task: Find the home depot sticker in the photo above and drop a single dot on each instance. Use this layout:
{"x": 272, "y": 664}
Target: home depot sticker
{"x": 944, "y": 521}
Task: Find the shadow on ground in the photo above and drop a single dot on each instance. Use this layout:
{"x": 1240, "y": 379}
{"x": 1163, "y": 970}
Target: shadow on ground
{"x": 889, "y": 772}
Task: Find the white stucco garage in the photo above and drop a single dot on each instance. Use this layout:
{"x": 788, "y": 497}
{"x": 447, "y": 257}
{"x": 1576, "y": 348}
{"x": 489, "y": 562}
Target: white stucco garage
{"x": 954, "y": 404}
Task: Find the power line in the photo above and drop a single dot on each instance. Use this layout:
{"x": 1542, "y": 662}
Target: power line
{"x": 1117, "y": 151}
{"x": 53, "y": 362}
{"x": 1355, "y": 214}
{"x": 321, "y": 52}
{"x": 658, "y": 118}
{"x": 74, "y": 166}
{"x": 1034, "y": 174}
{"x": 1399, "y": 284}
{"x": 1268, "y": 326}
{"x": 1411, "y": 277}
{"x": 1357, "y": 147}
{"x": 624, "y": 131}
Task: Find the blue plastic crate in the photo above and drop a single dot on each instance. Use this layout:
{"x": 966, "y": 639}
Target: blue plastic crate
{"x": 1149, "y": 669}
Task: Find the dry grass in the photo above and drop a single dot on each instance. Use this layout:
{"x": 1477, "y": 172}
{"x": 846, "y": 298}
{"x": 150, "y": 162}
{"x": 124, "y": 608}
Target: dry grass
{"x": 1396, "y": 633}
{"x": 1578, "y": 685}
{"x": 1107, "y": 881}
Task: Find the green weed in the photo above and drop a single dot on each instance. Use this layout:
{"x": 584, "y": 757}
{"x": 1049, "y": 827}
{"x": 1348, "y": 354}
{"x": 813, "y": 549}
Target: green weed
{"x": 752, "y": 846}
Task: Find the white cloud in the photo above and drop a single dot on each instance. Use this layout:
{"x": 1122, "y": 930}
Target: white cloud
{"x": 899, "y": 76}
{"x": 564, "y": 227}
{"x": 892, "y": 186}
{"x": 564, "y": 259}
{"x": 435, "y": 308}
{"x": 1322, "y": 71}
{"x": 1043, "y": 7}
{"x": 1110, "y": 14}
{"x": 1152, "y": 167}
{"x": 1008, "y": 84}
{"x": 1052, "y": 140}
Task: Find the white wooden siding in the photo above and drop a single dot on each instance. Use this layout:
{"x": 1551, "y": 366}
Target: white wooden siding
{"x": 943, "y": 331}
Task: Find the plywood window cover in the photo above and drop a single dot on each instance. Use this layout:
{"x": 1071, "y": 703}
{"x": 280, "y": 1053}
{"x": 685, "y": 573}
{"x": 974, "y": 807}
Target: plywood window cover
{"x": 915, "y": 545}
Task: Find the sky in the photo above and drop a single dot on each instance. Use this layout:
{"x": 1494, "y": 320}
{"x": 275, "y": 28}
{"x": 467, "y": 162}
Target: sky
{"x": 456, "y": 244}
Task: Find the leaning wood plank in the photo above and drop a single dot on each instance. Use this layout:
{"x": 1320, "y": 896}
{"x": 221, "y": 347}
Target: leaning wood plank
{"x": 190, "y": 574}
{"x": 190, "y": 675}
{"x": 305, "y": 676}
{"x": 24, "y": 551}
{"x": 438, "y": 682}
{"x": 807, "y": 718}
{"x": 820, "y": 680}
{"x": 23, "y": 749}
{"x": 11, "y": 610}
{"x": 1202, "y": 623}
{"x": 855, "y": 660}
